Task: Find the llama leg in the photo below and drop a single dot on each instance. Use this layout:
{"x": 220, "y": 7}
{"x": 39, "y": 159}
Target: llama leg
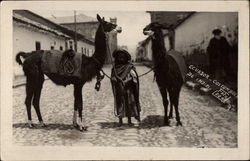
{"x": 78, "y": 105}
{"x": 176, "y": 104}
{"x": 75, "y": 118}
{"x": 171, "y": 110}
{"x": 75, "y": 115}
{"x": 29, "y": 95}
{"x": 36, "y": 101}
{"x": 171, "y": 105}
{"x": 165, "y": 104}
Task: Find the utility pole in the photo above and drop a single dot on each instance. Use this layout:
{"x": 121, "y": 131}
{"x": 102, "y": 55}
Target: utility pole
{"x": 75, "y": 38}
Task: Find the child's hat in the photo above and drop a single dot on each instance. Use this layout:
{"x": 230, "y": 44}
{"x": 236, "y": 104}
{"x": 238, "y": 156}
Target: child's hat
{"x": 118, "y": 52}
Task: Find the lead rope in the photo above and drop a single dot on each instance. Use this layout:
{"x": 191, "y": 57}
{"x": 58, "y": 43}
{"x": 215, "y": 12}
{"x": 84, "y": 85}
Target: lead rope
{"x": 113, "y": 65}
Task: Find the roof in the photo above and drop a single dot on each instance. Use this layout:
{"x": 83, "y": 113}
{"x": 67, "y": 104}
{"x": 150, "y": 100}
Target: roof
{"x": 71, "y": 23}
{"x": 169, "y": 17}
{"x": 70, "y": 19}
{"x": 174, "y": 26}
{"x": 38, "y": 26}
{"x": 183, "y": 20}
{"x": 30, "y": 18}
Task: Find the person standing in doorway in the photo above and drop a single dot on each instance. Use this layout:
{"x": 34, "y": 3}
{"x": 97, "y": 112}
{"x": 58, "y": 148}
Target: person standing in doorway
{"x": 218, "y": 51}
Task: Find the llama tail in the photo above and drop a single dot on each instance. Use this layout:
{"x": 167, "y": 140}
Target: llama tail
{"x": 18, "y": 57}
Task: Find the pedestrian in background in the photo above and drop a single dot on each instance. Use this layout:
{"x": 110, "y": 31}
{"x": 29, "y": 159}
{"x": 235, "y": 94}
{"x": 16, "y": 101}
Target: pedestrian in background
{"x": 218, "y": 51}
{"x": 125, "y": 85}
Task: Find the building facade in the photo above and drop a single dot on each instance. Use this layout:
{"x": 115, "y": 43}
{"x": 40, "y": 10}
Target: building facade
{"x": 191, "y": 33}
{"x": 33, "y": 32}
{"x": 192, "y": 41}
{"x": 88, "y": 29}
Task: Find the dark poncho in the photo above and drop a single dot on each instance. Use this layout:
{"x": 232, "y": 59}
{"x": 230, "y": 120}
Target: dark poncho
{"x": 126, "y": 91}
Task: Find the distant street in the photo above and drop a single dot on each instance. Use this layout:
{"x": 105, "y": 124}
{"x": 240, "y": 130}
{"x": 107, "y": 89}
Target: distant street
{"x": 205, "y": 123}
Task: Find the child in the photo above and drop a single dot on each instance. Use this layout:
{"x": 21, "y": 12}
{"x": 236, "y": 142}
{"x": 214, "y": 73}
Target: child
{"x": 125, "y": 85}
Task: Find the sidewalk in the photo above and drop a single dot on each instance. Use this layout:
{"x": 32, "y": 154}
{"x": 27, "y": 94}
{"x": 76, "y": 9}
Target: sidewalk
{"x": 21, "y": 80}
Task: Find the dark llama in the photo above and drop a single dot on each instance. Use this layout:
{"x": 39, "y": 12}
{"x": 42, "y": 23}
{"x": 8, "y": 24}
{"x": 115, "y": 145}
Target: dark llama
{"x": 90, "y": 67}
{"x": 168, "y": 75}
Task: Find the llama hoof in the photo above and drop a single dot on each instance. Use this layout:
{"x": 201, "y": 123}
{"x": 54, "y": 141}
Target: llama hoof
{"x": 75, "y": 125}
{"x": 83, "y": 128}
{"x": 179, "y": 124}
{"x": 130, "y": 124}
{"x": 43, "y": 124}
{"x": 30, "y": 124}
{"x": 120, "y": 124}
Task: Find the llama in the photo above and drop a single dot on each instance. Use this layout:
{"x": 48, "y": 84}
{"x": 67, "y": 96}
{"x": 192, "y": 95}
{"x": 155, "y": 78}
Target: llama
{"x": 90, "y": 67}
{"x": 167, "y": 72}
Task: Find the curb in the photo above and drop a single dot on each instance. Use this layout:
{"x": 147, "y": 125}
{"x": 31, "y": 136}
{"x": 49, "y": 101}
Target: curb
{"x": 18, "y": 84}
{"x": 22, "y": 83}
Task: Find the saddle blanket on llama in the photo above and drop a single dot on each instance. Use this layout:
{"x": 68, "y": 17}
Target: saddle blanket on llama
{"x": 55, "y": 62}
{"x": 177, "y": 56}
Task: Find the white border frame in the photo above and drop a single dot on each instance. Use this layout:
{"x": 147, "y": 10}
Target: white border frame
{"x": 12, "y": 152}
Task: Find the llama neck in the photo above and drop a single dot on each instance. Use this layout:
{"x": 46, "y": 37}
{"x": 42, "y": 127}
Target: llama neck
{"x": 158, "y": 47}
{"x": 100, "y": 45}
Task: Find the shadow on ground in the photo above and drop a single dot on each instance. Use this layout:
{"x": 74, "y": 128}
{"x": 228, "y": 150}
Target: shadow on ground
{"x": 150, "y": 121}
{"x": 48, "y": 126}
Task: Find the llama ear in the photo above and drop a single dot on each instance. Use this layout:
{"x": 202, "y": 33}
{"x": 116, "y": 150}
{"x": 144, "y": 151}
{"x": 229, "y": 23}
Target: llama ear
{"x": 98, "y": 18}
{"x": 103, "y": 18}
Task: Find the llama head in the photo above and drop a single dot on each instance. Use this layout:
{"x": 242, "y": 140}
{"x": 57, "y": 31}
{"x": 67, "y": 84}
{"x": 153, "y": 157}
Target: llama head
{"x": 154, "y": 27}
{"x": 108, "y": 26}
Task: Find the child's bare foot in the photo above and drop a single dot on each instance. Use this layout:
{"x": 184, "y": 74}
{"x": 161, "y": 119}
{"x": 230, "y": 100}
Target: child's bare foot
{"x": 120, "y": 122}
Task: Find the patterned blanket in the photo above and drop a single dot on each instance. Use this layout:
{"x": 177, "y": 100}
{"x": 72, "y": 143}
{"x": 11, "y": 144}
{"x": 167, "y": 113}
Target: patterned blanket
{"x": 52, "y": 62}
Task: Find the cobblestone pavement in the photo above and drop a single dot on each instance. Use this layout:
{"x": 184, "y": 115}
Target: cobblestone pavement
{"x": 205, "y": 123}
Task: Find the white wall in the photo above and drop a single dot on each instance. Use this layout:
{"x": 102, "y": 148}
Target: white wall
{"x": 167, "y": 44}
{"x": 89, "y": 48}
{"x": 24, "y": 39}
{"x": 196, "y": 31}
{"x": 149, "y": 50}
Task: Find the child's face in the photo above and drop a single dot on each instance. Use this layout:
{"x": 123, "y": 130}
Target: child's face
{"x": 121, "y": 58}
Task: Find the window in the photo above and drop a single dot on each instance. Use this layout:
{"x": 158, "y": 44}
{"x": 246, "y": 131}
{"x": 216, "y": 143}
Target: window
{"x": 71, "y": 45}
{"x": 38, "y": 45}
{"x": 85, "y": 51}
{"x": 66, "y": 45}
{"x": 61, "y": 48}
{"x": 88, "y": 52}
{"x": 52, "y": 48}
{"x": 82, "y": 50}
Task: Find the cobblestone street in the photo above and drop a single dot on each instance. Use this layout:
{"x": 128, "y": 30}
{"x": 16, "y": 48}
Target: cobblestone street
{"x": 205, "y": 122}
